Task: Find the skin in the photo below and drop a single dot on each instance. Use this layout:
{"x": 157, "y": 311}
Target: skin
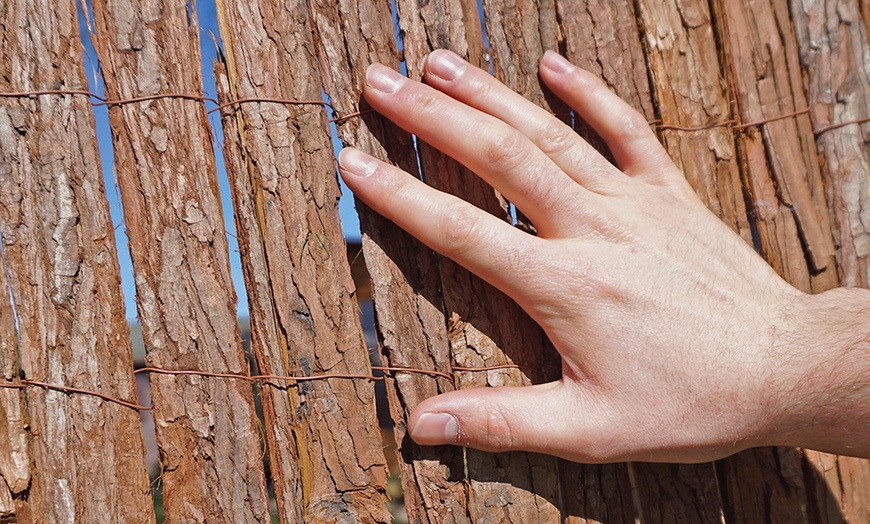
{"x": 678, "y": 342}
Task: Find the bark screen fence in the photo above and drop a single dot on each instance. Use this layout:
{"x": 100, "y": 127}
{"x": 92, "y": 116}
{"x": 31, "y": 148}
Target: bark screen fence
{"x": 764, "y": 104}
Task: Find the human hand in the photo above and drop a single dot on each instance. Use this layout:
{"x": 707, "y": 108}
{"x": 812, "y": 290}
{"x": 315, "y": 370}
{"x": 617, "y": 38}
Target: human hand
{"x": 676, "y": 337}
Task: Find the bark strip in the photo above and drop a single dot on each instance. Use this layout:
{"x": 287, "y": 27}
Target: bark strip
{"x": 689, "y": 92}
{"x": 835, "y": 53}
{"x": 603, "y": 38}
{"x": 516, "y": 487}
{"x": 325, "y": 447}
{"x": 206, "y": 427}
{"x": 349, "y": 36}
{"x": 60, "y": 256}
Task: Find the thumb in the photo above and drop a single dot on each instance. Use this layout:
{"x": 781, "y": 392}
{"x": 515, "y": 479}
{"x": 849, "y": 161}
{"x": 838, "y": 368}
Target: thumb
{"x": 541, "y": 418}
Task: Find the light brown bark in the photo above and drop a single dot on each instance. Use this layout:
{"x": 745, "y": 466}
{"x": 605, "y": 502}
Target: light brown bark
{"x": 206, "y": 427}
{"x": 349, "y": 36}
{"x": 779, "y": 159}
{"x": 325, "y": 446}
{"x": 834, "y": 51}
{"x": 60, "y": 256}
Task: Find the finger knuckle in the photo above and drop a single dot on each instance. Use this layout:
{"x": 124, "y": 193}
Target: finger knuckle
{"x": 505, "y": 150}
{"x": 460, "y": 230}
{"x": 498, "y": 430}
{"x": 633, "y": 126}
{"x": 555, "y": 139}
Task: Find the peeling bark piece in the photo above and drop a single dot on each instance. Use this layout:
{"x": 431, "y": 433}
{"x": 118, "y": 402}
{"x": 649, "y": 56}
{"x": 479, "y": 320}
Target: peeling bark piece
{"x": 60, "y": 255}
{"x": 206, "y": 427}
{"x": 349, "y": 36}
{"x": 325, "y": 446}
{"x": 517, "y": 487}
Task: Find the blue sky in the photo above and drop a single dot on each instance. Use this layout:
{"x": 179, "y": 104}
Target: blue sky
{"x": 208, "y": 23}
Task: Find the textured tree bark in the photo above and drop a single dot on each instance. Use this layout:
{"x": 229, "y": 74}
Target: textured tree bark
{"x": 350, "y": 35}
{"x": 602, "y": 37}
{"x": 833, "y": 50}
{"x": 779, "y": 159}
{"x": 325, "y": 446}
{"x": 519, "y": 33}
{"x": 864, "y": 6}
{"x": 60, "y": 255}
{"x": 206, "y": 427}
{"x": 516, "y": 487}
{"x": 15, "y": 456}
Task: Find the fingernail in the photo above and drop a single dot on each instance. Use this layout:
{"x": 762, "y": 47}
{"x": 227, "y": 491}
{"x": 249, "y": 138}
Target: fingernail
{"x": 356, "y": 162}
{"x": 445, "y": 64}
{"x": 436, "y": 428}
{"x": 557, "y": 63}
{"x": 383, "y": 79}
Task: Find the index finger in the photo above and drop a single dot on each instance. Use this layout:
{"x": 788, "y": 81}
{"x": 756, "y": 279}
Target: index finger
{"x": 491, "y": 248}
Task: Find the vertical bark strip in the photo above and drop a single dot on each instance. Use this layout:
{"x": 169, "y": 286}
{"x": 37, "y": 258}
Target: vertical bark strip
{"x": 324, "y": 442}
{"x": 60, "y": 255}
{"x": 15, "y": 456}
{"x": 689, "y": 91}
{"x": 518, "y": 487}
{"x": 779, "y": 159}
{"x": 350, "y": 35}
{"x": 206, "y": 427}
{"x": 835, "y": 54}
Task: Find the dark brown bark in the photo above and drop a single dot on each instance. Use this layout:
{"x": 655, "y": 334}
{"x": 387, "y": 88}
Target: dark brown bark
{"x": 206, "y": 427}
{"x": 325, "y": 446}
{"x": 350, "y": 35}
{"x": 60, "y": 255}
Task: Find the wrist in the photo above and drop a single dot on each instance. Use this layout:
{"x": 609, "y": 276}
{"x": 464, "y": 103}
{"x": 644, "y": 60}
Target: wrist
{"x": 822, "y": 365}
